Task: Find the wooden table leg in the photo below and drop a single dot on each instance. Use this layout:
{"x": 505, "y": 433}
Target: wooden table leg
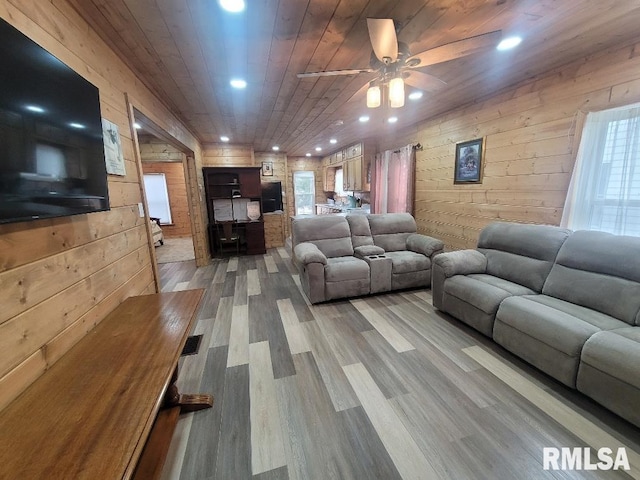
{"x": 188, "y": 402}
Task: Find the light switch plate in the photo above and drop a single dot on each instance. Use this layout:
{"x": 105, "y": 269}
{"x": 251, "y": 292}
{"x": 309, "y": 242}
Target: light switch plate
{"x": 141, "y": 209}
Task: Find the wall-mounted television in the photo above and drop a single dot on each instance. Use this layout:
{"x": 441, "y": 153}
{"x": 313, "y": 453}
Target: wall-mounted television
{"x": 51, "y": 145}
{"x": 271, "y": 196}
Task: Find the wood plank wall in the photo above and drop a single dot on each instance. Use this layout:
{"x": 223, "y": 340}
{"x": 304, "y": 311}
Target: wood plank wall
{"x": 174, "y": 176}
{"x": 226, "y": 155}
{"x": 530, "y": 147}
{"x": 60, "y": 277}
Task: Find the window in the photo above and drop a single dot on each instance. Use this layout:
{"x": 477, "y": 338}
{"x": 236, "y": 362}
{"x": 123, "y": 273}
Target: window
{"x": 604, "y": 193}
{"x": 155, "y": 186}
{"x": 304, "y": 192}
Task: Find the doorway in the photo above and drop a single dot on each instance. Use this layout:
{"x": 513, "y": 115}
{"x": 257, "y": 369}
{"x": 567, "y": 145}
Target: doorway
{"x": 164, "y": 168}
{"x": 304, "y": 192}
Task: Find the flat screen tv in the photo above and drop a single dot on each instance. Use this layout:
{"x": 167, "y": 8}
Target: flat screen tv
{"x": 271, "y": 196}
{"x": 51, "y": 146}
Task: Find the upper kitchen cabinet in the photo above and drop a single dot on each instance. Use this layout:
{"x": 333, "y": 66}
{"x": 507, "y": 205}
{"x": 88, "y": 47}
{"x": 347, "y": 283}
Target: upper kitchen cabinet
{"x": 357, "y": 165}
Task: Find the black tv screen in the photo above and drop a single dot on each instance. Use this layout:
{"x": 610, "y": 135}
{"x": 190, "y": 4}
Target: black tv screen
{"x": 51, "y": 148}
{"x": 271, "y": 197}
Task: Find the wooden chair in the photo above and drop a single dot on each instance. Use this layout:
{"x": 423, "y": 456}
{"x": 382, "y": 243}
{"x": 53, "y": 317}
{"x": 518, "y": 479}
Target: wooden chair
{"x": 227, "y": 235}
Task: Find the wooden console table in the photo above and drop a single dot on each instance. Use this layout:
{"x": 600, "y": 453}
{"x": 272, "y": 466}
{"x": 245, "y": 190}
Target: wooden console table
{"x": 92, "y": 414}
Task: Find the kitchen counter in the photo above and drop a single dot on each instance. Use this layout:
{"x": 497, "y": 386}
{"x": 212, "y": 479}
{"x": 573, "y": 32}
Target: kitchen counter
{"x": 326, "y": 208}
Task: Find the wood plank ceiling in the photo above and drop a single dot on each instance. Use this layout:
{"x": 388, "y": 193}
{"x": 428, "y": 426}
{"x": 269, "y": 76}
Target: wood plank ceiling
{"x": 188, "y": 50}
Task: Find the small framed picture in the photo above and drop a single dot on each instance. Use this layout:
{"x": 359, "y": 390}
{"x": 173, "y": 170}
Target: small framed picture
{"x": 267, "y": 169}
{"x": 468, "y": 168}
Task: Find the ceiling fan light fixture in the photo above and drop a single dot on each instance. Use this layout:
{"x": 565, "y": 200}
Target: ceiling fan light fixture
{"x": 396, "y": 92}
{"x": 374, "y": 96}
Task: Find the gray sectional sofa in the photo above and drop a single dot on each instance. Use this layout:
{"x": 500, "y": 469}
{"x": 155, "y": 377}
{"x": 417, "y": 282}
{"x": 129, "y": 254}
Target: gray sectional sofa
{"x": 346, "y": 256}
{"x": 566, "y": 302}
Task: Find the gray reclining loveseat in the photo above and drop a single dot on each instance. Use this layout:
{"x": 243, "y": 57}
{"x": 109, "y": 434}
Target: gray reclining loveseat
{"x": 566, "y": 302}
{"x": 347, "y": 256}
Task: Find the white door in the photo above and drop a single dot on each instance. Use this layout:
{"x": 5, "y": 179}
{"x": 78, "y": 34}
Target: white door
{"x": 304, "y": 192}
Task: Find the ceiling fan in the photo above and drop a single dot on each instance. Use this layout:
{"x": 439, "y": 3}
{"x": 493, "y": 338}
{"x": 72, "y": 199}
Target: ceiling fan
{"x": 392, "y": 64}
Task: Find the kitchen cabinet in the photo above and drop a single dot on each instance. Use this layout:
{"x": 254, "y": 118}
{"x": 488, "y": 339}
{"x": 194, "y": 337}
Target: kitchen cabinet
{"x": 356, "y": 162}
{"x": 352, "y": 175}
{"x": 329, "y": 179}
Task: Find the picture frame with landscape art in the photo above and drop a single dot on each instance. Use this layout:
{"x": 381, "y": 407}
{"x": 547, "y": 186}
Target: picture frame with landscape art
{"x": 469, "y": 157}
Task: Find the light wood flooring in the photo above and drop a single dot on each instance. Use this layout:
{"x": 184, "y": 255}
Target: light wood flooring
{"x": 381, "y": 387}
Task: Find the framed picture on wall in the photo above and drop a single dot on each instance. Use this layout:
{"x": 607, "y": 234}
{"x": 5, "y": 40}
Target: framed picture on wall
{"x": 267, "y": 169}
{"x": 468, "y": 167}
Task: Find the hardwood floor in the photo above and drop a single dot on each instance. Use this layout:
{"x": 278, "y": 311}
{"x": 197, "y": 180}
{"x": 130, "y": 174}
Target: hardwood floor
{"x": 381, "y": 387}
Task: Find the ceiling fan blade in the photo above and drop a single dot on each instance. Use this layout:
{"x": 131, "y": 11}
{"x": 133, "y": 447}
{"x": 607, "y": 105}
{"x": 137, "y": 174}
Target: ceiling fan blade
{"x": 382, "y": 33}
{"x": 453, "y": 50}
{"x": 332, "y": 73}
{"x": 423, "y": 81}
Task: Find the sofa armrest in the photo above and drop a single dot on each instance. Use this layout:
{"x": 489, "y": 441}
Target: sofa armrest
{"x": 461, "y": 262}
{"x": 307, "y": 252}
{"x": 366, "y": 250}
{"x": 423, "y": 244}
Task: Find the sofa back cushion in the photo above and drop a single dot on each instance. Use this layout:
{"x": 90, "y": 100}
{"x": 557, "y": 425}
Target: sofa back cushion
{"x": 521, "y": 253}
{"x": 329, "y": 233}
{"x": 360, "y": 231}
{"x": 390, "y": 230}
{"x": 600, "y": 271}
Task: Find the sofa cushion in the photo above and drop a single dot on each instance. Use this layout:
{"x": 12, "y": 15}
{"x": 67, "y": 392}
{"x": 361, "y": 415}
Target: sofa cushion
{"x": 360, "y": 231}
{"x": 390, "y": 230}
{"x": 600, "y": 271}
{"x": 548, "y": 333}
{"x": 521, "y": 253}
{"x": 406, "y": 261}
{"x": 331, "y": 234}
{"x": 559, "y": 324}
{"x": 616, "y": 353}
{"x": 340, "y": 269}
{"x": 485, "y": 292}
{"x": 609, "y": 373}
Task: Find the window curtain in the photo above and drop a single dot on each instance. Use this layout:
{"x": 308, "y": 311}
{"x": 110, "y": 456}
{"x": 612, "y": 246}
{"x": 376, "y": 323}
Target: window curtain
{"x": 393, "y": 181}
{"x": 604, "y": 192}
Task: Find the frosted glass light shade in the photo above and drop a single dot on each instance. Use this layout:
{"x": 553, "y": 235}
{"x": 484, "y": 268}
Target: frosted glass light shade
{"x": 396, "y": 92}
{"x": 373, "y": 97}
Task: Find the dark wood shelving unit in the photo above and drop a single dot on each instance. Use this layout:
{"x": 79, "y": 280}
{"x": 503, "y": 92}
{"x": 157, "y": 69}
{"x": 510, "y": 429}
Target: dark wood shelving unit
{"x": 234, "y": 183}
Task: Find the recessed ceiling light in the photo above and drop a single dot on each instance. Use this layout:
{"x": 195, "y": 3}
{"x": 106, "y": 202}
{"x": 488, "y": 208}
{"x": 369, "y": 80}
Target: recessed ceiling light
{"x": 224, "y": 138}
{"x": 137, "y": 126}
{"x": 508, "y": 43}
{"x": 392, "y": 119}
{"x": 233, "y": 6}
{"x": 275, "y": 148}
{"x": 307, "y": 154}
{"x": 417, "y": 95}
{"x": 238, "y": 83}
{"x": 318, "y": 149}
{"x": 333, "y": 141}
{"x": 364, "y": 118}
{"x": 35, "y": 108}
{"x": 79, "y": 126}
